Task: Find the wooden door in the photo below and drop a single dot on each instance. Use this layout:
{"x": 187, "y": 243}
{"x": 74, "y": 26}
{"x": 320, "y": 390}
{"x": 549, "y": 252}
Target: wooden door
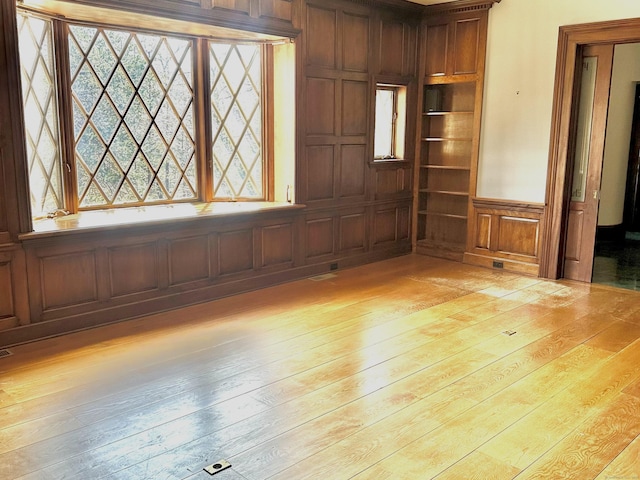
{"x": 632, "y": 196}
{"x": 589, "y": 138}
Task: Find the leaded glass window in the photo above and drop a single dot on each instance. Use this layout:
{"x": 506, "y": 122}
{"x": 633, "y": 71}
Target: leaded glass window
{"x": 41, "y": 114}
{"x": 236, "y": 116}
{"x": 133, "y": 117}
{"x": 129, "y": 120}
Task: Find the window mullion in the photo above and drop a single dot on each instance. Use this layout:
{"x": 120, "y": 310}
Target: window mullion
{"x": 202, "y": 105}
{"x": 268, "y": 121}
{"x": 65, "y": 112}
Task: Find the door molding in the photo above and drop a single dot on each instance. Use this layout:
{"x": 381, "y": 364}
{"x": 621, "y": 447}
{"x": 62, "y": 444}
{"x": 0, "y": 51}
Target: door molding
{"x": 558, "y": 193}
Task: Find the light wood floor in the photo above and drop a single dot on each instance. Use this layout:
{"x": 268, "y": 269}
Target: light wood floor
{"x": 396, "y": 370}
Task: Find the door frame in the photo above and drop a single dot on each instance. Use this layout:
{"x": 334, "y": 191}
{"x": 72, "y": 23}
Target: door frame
{"x": 558, "y": 193}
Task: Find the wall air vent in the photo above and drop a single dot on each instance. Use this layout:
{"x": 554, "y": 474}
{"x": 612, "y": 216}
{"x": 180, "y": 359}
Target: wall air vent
{"x": 5, "y": 353}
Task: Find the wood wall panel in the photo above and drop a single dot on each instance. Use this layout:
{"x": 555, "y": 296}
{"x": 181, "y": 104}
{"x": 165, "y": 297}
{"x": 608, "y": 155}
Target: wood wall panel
{"x": 436, "y": 49}
{"x": 320, "y": 233}
{"x": 198, "y": 4}
{"x": 68, "y": 279}
{"x": 467, "y": 42}
{"x": 574, "y": 242}
{"x": 320, "y": 172}
{"x": 355, "y": 102}
{"x": 404, "y": 223}
{"x": 392, "y": 180}
{"x": 391, "y": 224}
{"x": 278, "y": 9}
{"x": 235, "y": 251}
{"x": 519, "y": 236}
{"x": 397, "y": 47}
{"x": 352, "y": 232}
{"x": 505, "y": 232}
{"x": 277, "y": 245}
{"x": 385, "y": 226}
{"x": 352, "y": 170}
{"x": 189, "y": 259}
{"x": 392, "y": 47}
{"x": 133, "y": 269}
{"x": 321, "y": 99}
{"x": 321, "y": 31}
{"x": 4, "y": 226}
{"x": 483, "y": 231}
{"x": 355, "y": 51}
{"x": 6, "y": 290}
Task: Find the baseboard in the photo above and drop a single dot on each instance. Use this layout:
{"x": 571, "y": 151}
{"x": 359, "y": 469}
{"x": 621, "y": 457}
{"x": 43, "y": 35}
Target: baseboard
{"x": 610, "y": 233}
{"x": 506, "y": 264}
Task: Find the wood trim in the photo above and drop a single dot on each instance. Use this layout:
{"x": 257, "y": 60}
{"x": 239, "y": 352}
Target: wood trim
{"x": 159, "y": 14}
{"x": 557, "y": 196}
{"x": 399, "y": 6}
{"x": 504, "y": 233}
{"x": 499, "y": 204}
{"x": 507, "y": 264}
{"x": 13, "y": 156}
{"x": 460, "y": 6}
{"x": 65, "y": 115}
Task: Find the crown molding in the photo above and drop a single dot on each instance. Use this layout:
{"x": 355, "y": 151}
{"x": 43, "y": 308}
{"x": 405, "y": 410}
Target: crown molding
{"x": 402, "y": 6}
{"x": 460, "y": 6}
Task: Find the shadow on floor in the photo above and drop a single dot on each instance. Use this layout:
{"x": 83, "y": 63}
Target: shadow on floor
{"x": 618, "y": 263}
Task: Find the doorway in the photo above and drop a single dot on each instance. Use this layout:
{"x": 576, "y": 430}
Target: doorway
{"x": 617, "y": 250}
{"x": 572, "y": 40}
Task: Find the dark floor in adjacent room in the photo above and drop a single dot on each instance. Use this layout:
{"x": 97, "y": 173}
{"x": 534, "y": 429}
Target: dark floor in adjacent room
{"x": 617, "y": 263}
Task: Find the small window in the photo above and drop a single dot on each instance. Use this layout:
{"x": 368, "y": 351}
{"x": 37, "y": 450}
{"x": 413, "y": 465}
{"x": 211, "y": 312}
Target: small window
{"x": 390, "y": 122}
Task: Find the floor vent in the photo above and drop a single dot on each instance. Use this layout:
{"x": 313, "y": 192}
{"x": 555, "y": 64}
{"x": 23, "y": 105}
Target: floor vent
{"x": 5, "y": 353}
{"x": 320, "y": 278}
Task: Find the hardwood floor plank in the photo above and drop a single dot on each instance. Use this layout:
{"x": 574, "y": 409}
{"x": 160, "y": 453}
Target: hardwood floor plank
{"x": 616, "y": 337}
{"x": 590, "y": 448}
{"x": 525, "y": 441}
{"x": 398, "y": 370}
{"x": 625, "y": 465}
{"x": 478, "y": 466}
{"x": 430, "y": 454}
{"x": 443, "y": 403}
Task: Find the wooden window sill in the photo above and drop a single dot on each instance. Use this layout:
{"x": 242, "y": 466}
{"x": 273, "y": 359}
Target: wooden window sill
{"x": 118, "y": 218}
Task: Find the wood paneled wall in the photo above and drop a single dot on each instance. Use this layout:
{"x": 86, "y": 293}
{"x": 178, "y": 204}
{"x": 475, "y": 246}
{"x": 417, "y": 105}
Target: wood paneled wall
{"x": 354, "y": 205}
{"x": 505, "y": 233}
{"x": 356, "y": 211}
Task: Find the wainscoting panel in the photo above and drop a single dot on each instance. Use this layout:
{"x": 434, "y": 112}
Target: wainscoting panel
{"x": 189, "y": 259}
{"x": 505, "y": 234}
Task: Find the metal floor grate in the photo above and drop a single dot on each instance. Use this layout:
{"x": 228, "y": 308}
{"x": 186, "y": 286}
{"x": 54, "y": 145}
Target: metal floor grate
{"x": 5, "y": 353}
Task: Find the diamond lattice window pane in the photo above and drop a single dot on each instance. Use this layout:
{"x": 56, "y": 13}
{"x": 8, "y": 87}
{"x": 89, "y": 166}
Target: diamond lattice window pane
{"x": 236, "y": 117}
{"x": 102, "y": 59}
{"x": 120, "y": 90}
{"x": 35, "y": 38}
{"x": 132, "y": 94}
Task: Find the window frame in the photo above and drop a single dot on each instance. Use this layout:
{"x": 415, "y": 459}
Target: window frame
{"x": 203, "y": 155}
{"x": 399, "y": 121}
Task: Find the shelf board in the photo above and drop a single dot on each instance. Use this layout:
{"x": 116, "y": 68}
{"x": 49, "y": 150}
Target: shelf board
{"x": 444, "y": 192}
{"x": 446, "y": 139}
{"x": 440, "y": 214}
{"x": 442, "y": 113}
{"x": 451, "y": 250}
{"x": 446, "y": 167}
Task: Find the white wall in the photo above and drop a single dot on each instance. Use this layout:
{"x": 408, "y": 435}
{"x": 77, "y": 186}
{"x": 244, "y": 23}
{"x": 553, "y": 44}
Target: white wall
{"x": 520, "y": 73}
{"x": 626, "y": 73}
